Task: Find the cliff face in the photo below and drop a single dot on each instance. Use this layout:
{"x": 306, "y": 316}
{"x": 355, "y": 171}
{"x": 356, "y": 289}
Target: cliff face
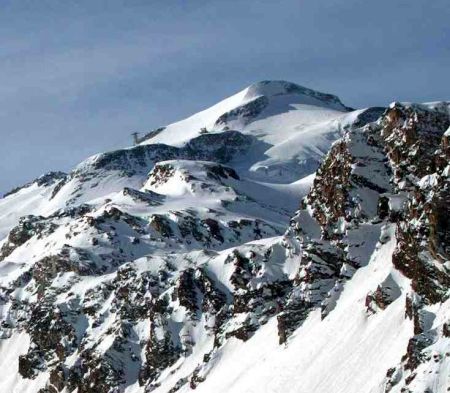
{"x": 397, "y": 167}
{"x": 170, "y": 268}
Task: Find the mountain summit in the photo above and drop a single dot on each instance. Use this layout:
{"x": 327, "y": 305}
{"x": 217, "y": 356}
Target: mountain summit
{"x": 255, "y": 104}
{"x": 279, "y": 88}
{"x": 278, "y": 241}
{"x": 275, "y": 114}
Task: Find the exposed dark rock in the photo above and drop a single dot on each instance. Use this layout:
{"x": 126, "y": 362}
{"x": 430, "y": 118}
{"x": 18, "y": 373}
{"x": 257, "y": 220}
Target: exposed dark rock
{"x": 161, "y": 225}
{"x": 46, "y": 180}
{"x": 28, "y": 227}
{"x": 246, "y": 112}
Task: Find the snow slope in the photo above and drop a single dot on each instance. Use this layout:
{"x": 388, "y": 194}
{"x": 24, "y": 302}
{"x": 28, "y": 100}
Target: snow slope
{"x": 347, "y": 352}
{"x": 297, "y": 126}
{"x": 298, "y": 106}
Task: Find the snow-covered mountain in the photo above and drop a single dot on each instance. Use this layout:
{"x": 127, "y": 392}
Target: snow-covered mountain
{"x": 294, "y": 127}
{"x": 278, "y": 241}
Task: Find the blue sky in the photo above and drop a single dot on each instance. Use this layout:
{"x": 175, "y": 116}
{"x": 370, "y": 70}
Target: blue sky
{"x": 76, "y": 77}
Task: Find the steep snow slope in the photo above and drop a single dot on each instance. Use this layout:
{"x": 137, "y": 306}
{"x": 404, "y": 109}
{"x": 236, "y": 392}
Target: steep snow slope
{"x": 255, "y": 103}
{"x": 218, "y": 261}
{"x": 296, "y": 125}
{"x": 347, "y": 352}
{"x": 33, "y": 198}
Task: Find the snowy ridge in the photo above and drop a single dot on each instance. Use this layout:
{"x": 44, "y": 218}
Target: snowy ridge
{"x": 275, "y": 242}
{"x": 273, "y": 112}
{"x": 269, "y": 98}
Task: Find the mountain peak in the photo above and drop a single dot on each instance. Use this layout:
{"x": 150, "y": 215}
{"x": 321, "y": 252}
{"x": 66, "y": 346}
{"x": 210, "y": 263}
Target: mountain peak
{"x": 262, "y": 101}
{"x": 271, "y": 88}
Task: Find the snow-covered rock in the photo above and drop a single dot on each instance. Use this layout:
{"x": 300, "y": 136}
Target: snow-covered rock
{"x": 278, "y": 241}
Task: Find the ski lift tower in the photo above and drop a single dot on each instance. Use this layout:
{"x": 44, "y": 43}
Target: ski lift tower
{"x": 135, "y": 136}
